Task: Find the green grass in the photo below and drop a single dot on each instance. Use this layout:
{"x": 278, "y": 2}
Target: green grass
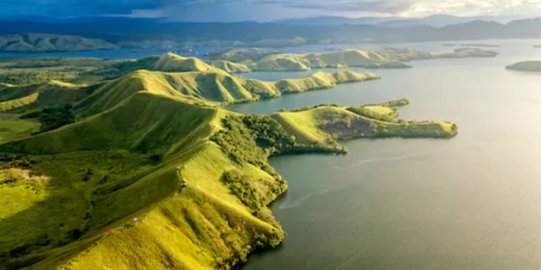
{"x": 72, "y": 193}
{"x": 231, "y": 67}
{"x": 14, "y": 128}
{"x": 328, "y": 123}
{"x": 16, "y": 184}
{"x": 100, "y": 198}
{"x": 369, "y": 58}
{"x": 42, "y": 95}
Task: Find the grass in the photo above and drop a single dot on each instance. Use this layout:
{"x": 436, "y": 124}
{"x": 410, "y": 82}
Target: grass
{"x": 207, "y": 86}
{"x": 16, "y": 183}
{"x": 368, "y": 58}
{"x": 97, "y": 196}
{"x": 327, "y": 123}
{"x": 18, "y": 102}
{"x": 105, "y": 191}
{"x": 260, "y": 60}
{"x": 231, "y": 67}
{"x": 32, "y": 97}
{"x": 13, "y": 128}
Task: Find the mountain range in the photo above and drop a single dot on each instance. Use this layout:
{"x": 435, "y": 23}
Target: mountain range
{"x": 131, "y": 32}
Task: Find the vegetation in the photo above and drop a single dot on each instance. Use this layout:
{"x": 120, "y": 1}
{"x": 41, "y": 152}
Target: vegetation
{"x": 529, "y": 66}
{"x": 53, "y": 118}
{"x": 38, "y": 96}
{"x": 13, "y": 128}
{"x": 22, "y": 71}
{"x": 75, "y": 196}
{"x": 385, "y": 111}
{"x": 231, "y": 67}
{"x": 260, "y": 60}
{"x": 34, "y": 42}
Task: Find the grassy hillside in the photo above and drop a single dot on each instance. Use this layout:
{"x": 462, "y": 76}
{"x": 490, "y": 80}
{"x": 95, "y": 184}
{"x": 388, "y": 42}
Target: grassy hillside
{"x": 325, "y": 124}
{"x": 37, "y": 96}
{"x": 156, "y": 174}
{"x": 34, "y": 70}
{"x": 13, "y": 128}
{"x": 108, "y": 183}
{"x": 36, "y": 42}
{"x": 168, "y": 62}
{"x": 367, "y": 58}
{"x": 93, "y": 199}
{"x": 217, "y": 87}
{"x": 231, "y": 67}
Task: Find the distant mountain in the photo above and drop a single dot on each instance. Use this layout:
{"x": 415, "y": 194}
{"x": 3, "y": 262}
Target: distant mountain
{"x": 434, "y": 20}
{"x": 32, "y": 42}
{"x": 335, "y": 20}
{"x": 442, "y": 20}
{"x": 130, "y": 32}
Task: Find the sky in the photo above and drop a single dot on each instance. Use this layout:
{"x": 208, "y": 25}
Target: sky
{"x": 265, "y": 10}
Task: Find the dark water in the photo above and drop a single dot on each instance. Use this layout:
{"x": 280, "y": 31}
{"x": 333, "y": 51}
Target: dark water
{"x": 473, "y": 202}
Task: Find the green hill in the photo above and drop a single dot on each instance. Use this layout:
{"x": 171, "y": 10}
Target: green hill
{"x": 217, "y": 87}
{"x": 168, "y": 62}
{"x": 231, "y": 67}
{"x": 156, "y": 174}
{"x": 93, "y": 196}
{"x": 259, "y": 60}
{"x": 325, "y": 124}
{"x": 42, "y": 95}
{"x": 36, "y": 42}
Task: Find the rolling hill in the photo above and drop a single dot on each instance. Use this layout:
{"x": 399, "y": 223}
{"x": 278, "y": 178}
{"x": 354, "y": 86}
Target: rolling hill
{"x": 156, "y": 174}
{"x": 38, "y": 42}
{"x": 38, "y": 96}
{"x": 212, "y": 86}
{"x": 365, "y": 58}
{"x": 231, "y": 67}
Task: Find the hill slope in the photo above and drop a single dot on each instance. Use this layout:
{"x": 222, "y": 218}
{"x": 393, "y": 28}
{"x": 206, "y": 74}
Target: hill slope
{"x": 158, "y": 177}
{"x": 36, "y": 42}
{"x": 366, "y": 58}
{"x": 168, "y": 62}
{"x": 214, "y": 229}
{"x": 37, "y": 96}
{"x": 209, "y": 86}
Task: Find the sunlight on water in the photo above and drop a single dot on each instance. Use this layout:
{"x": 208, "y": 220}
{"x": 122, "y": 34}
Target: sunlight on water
{"x": 472, "y": 202}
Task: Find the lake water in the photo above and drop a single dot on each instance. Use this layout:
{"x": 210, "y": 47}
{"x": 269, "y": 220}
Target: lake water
{"x": 472, "y": 202}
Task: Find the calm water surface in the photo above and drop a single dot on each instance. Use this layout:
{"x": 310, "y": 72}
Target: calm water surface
{"x": 473, "y": 202}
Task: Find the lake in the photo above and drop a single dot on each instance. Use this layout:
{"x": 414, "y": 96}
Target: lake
{"x": 472, "y": 202}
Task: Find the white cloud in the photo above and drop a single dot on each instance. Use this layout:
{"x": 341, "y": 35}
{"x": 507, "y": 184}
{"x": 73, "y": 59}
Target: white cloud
{"x": 264, "y": 10}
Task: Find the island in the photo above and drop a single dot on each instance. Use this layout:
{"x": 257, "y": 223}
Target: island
{"x": 149, "y": 163}
{"x": 528, "y": 66}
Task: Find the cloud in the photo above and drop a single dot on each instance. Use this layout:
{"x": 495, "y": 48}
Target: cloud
{"x": 241, "y": 10}
{"x": 74, "y": 8}
{"x": 389, "y": 6}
